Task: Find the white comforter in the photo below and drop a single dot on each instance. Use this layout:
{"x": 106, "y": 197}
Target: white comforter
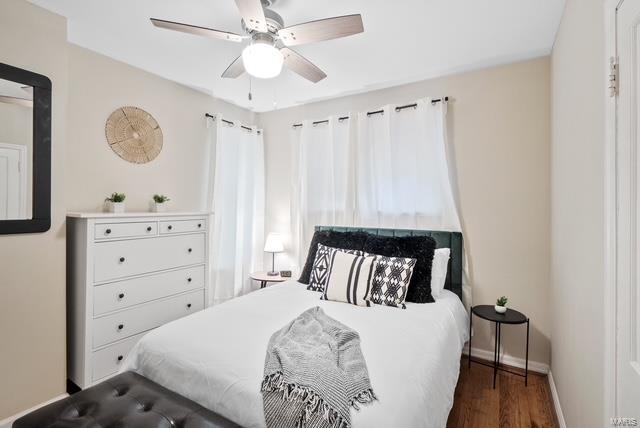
{"x": 215, "y": 357}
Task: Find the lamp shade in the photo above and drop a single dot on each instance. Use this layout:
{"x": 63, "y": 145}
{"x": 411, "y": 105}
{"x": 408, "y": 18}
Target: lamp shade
{"x": 262, "y": 60}
{"x": 274, "y": 243}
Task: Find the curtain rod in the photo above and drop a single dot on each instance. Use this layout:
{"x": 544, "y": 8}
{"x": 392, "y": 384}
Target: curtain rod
{"x": 228, "y": 122}
{"x": 371, "y": 113}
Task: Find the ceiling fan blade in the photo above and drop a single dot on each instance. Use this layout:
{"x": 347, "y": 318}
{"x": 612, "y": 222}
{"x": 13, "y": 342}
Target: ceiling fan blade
{"x": 253, "y": 15}
{"x": 323, "y": 29}
{"x": 198, "y": 31}
{"x": 235, "y": 69}
{"x": 299, "y": 64}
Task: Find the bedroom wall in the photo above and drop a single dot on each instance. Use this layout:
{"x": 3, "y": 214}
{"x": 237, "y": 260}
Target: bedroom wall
{"x": 99, "y": 85}
{"x": 32, "y": 267}
{"x": 499, "y": 132}
{"x": 577, "y": 207}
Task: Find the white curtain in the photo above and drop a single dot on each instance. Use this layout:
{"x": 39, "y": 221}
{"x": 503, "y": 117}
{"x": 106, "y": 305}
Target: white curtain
{"x": 373, "y": 170}
{"x": 322, "y": 187}
{"x": 237, "y": 198}
{"x": 402, "y": 173}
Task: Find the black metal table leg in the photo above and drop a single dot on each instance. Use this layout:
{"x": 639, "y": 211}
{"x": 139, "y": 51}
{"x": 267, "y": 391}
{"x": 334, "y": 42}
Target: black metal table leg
{"x": 499, "y": 342}
{"x": 526, "y": 361}
{"x": 470, "y": 326}
{"x": 495, "y": 354}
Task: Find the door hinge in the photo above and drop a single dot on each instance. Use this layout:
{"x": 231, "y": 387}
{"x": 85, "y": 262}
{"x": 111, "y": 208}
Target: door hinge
{"x": 613, "y": 77}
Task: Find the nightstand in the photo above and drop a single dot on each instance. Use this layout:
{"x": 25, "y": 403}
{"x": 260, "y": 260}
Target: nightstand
{"x": 264, "y": 278}
{"x": 510, "y": 317}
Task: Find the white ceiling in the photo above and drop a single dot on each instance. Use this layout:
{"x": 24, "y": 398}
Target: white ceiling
{"x": 404, "y": 41}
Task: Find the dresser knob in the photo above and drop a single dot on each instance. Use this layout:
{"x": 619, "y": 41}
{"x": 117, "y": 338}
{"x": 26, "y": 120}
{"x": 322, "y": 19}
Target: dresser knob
{"x": 121, "y": 296}
{"x": 188, "y": 305}
{"x": 120, "y": 357}
{"x": 108, "y": 231}
{"x": 149, "y": 229}
{"x": 190, "y": 249}
{"x": 120, "y": 327}
{"x": 188, "y": 279}
{"x": 121, "y": 259}
{"x": 169, "y": 227}
{"x": 199, "y": 225}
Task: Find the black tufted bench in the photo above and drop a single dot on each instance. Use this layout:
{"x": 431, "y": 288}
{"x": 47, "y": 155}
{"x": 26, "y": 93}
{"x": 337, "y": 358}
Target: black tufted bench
{"x": 126, "y": 400}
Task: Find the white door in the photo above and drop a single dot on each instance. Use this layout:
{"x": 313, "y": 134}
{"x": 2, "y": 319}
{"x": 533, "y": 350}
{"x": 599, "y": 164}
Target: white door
{"x": 628, "y": 217}
{"x": 13, "y": 182}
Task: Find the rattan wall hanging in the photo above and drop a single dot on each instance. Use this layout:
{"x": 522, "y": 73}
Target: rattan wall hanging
{"x": 134, "y": 135}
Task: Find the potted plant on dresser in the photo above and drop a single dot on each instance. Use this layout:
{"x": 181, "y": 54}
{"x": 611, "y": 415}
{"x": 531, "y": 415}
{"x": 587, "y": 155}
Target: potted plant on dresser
{"x": 115, "y": 202}
{"x": 501, "y": 305}
{"x": 159, "y": 203}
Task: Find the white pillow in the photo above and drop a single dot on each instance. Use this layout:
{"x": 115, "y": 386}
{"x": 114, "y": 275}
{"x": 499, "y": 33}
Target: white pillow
{"x": 439, "y": 271}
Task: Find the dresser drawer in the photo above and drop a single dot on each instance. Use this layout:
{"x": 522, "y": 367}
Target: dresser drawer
{"x": 119, "y": 259}
{"x": 182, "y": 226}
{"x": 123, "y": 294}
{"x": 107, "y": 361}
{"x": 125, "y": 230}
{"x": 129, "y": 322}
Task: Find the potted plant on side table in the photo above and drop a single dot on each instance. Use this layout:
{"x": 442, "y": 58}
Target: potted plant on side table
{"x": 501, "y": 305}
{"x": 160, "y": 203}
{"x": 115, "y": 202}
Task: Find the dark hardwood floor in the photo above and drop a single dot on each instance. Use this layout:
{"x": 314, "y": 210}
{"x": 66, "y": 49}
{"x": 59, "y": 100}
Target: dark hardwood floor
{"x": 510, "y": 405}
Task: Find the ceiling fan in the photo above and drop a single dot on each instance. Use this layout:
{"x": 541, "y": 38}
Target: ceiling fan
{"x": 271, "y": 41}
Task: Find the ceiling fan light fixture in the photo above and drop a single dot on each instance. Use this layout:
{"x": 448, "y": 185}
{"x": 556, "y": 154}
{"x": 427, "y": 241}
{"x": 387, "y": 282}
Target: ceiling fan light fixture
{"x": 262, "y": 60}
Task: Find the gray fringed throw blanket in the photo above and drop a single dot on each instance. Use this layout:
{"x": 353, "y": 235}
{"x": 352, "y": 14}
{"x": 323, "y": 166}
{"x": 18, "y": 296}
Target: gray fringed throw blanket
{"x": 314, "y": 373}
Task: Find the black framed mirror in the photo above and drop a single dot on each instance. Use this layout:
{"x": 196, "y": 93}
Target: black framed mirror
{"x": 25, "y": 151}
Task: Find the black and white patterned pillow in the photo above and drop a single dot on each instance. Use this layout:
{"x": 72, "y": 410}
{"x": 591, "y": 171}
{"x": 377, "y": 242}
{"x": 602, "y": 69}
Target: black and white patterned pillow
{"x": 349, "y": 279}
{"x": 390, "y": 281}
{"x": 320, "y": 269}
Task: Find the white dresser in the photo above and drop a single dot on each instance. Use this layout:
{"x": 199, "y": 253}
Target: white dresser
{"x": 127, "y": 274}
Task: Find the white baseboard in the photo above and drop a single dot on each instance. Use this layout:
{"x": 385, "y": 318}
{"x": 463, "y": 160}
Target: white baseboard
{"x": 6, "y": 423}
{"x": 556, "y": 401}
{"x": 507, "y": 359}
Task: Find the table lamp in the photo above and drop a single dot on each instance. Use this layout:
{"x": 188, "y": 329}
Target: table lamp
{"x": 273, "y": 245}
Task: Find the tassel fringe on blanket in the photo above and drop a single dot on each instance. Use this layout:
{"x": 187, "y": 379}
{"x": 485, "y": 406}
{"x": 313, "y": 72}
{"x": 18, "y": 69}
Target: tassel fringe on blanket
{"x": 313, "y": 403}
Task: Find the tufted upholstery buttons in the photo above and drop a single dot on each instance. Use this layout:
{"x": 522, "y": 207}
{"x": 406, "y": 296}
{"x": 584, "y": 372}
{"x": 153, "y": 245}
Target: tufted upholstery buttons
{"x": 146, "y": 407}
{"x": 126, "y": 400}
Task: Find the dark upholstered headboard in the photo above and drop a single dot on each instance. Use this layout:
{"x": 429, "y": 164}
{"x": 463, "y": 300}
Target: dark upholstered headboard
{"x": 452, "y": 240}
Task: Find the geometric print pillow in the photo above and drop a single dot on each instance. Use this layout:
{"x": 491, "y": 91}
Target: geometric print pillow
{"x": 318, "y": 278}
{"x": 390, "y": 282}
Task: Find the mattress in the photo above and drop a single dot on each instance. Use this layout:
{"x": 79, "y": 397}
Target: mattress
{"x": 215, "y": 357}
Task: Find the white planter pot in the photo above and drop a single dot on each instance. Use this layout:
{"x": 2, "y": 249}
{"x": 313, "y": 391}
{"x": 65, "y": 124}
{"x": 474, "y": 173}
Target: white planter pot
{"x": 159, "y": 207}
{"x": 115, "y": 207}
{"x": 500, "y": 309}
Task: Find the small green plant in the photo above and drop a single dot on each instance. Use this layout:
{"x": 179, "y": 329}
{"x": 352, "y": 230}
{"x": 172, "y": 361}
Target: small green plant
{"x": 116, "y": 197}
{"x": 502, "y": 301}
{"x": 160, "y": 199}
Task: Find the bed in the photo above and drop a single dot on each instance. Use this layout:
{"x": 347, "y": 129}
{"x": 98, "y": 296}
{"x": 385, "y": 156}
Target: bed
{"x": 215, "y": 357}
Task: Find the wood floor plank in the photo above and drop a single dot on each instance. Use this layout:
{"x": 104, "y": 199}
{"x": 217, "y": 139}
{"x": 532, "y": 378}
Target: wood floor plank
{"x": 510, "y": 405}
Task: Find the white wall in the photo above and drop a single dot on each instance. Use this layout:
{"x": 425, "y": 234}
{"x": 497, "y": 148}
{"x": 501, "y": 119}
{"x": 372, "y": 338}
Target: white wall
{"x": 32, "y": 266}
{"x": 499, "y": 132}
{"x": 577, "y": 206}
{"x": 100, "y": 85}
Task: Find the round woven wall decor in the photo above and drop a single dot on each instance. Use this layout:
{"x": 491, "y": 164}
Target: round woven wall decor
{"x": 134, "y": 135}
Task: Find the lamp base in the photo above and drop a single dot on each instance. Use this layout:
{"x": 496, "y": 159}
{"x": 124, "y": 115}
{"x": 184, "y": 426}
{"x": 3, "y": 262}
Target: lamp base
{"x": 273, "y": 273}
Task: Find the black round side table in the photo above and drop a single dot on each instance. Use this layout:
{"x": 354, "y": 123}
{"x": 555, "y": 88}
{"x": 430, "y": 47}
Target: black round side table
{"x": 488, "y": 313}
